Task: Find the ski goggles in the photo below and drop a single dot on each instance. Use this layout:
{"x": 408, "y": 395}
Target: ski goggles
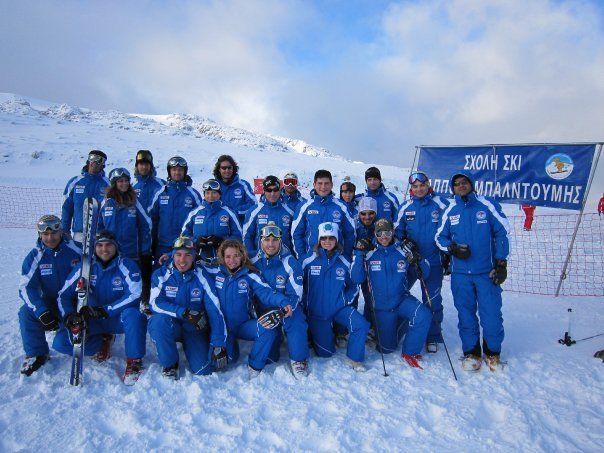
{"x": 184, "y": 242}
{"x": 50, "y": 222}
{"x": 290, "y": 182}
{"x": 96, "y": 159}
{"x": 384, "y": 233}
{"x": 118, "y": 173}
{"x": 418, "y": 176}
{"x": 212, "y": 184}
{"x": 105, "y": 236}
{"x": 177, "y": 162}
{"x": 271, "y": 230}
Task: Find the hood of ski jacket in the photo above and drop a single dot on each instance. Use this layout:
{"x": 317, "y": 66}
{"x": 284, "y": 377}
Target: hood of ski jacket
{"x": 131, "y": 226}
{"x": 261, "y": 215}
{"x": 76, "y": 191}
{"x": 172, "y": 292}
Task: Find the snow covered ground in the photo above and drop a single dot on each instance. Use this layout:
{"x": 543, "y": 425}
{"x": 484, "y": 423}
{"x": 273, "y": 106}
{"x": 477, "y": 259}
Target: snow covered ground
{"x": 549, "y": 398}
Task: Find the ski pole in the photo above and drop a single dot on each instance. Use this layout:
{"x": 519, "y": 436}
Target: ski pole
{"x": 425, "y": 288}
{"x": 377, "y": 330}
{"x": 567, "y": 340}
{"x": 589, "y": 338}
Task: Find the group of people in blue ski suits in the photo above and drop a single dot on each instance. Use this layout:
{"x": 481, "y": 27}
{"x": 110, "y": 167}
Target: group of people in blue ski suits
{"x": 215, "y": 268}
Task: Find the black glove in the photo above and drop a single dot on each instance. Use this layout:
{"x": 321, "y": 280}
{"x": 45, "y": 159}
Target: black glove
{"x": 196, "y": 318}
{"x": 145, "y": 309}
{"x": 214, "y": 241}
{"x": 74, "y": 321}
{"x": 461, "y": 251}
{"x": 89, "y": 312}
{"x": 49, "y": 321}
{"x": 409, "y": 248}
{"x": 364, "y": 245}
{"x": 219, "y": 355}
{"x": 499, "y": 272}
{"x": 446, "y": 263}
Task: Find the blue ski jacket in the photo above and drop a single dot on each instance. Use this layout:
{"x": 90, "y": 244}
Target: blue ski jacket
{"x": 44, "y": 272}
{"x": 172, "y": 292}
{"x": 259, "y": 216}
{"x": 294, "y": 200}
{"x": 387, "y": 202}
{"x": 76, "y": 191}
{"x": 312, "y": 213}
{"x": 387, "y": 268}
{"x": 131, "y": 226}
{"x": 169, "y": 210}
{"x": 478, "y": 222}
{"x": 418, "y": 220}
{"x": 327, "y": 284}
{"x": 146, "y": 187}
{"x": 237, "y": 195}
{"x": 114, "y": 287}
{"x": 283, "y": 273}
{"x": 238, "y": 292}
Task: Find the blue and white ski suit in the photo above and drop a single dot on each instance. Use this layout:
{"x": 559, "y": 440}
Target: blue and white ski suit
{"x": 171, "y": 294}
{"x": 317, "y": 210}
{"x": 131, "y": 226}
{"x": 238, "y": 195}
{"x": 294, "y": 200}
{"x": 386, "y": 268}
{"x": 259, "y": 216}
{"x": 480, "y": 223}
{"x": 387, "y": 202}
{"x": 237, "y": 293}
{"x": 211, "y": 218}
{"x": 169, "y": 210}
{"x": 146, "y": 187}
{"x": 43, "y": 274}
{"x": 284, "y": 274}
{"x": 116, "y": 288}
{"x": 418, "y": 220}
{"x": 329, "y": 294}
{"x": 76, "y": 191}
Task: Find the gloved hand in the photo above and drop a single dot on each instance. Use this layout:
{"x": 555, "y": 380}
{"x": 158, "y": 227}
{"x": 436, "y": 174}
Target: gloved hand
{"x": 214, "y": 241}
{"x": 145, "y": 308}
{"x": 196, "y": 318}
{"x": 461, "y": 251}
{"x": 409, "y": 248}
{"x": 49, "y": 321}
{"x": 74, "y": 321}
{"x": 364, "y": 245}
{"x": 499, "y": 272}
{"x": 219, "y": 355}
{"x": 89, "y": 312}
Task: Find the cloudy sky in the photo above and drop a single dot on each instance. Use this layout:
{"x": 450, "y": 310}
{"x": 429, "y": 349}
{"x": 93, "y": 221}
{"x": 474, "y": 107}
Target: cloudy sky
{"x": 365, "y": 79}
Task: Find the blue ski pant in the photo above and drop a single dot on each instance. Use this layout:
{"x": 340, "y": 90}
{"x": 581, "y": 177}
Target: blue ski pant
{"x": 323, "y": 333}
{"x": 166, "y": 331}
{"x": 472, "y": 294}
{"x": 296, "y": 329}
{"x": 33, "y": 335}
{"x": 250, "y": 330}
{"x": 417, "y": 319}
{"x": 434, "y": 283}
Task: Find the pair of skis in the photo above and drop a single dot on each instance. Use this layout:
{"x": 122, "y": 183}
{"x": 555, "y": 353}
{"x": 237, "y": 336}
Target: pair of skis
{"x": 91, "y": 217}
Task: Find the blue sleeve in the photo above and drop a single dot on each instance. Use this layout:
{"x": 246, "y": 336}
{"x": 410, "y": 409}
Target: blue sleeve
{"x": 212, "y": 307}
{"x": 249, "y": 231}
{"x": 67, "y": 299}
{"x": 266, "y": 294}
{"x": 349, "y": 235}
{"x": 144, "y": 229}
{"x": 357, "y": 271}
{"x": 249, "y": 195}
{"x": 29, "y": 286}
{"x": 500, "y": 229}
{"x": 443, "y": 232}
{"x": 400, "y": 225}
{"x": 187, "y": 227}
{"x": 299, "y": 233}
{"x": 350, "y": 290}
{"x": 295, "y": 281}
{"x": 158, "y": 301}
{"x": 67, "y": 209}
{"x": 131, "y": 277}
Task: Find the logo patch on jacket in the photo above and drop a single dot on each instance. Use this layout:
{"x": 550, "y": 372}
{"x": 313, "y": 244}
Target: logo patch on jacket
{"x": 188, "y": 202}
{"x": 286, "y": 220}
{"x": 195, "y": 292}
{"x": 375, "y": 265}
{"x": 46, "y": 269}
{"x": 242, "y": 284}
{"x": 481, "y": 215}
{"x": 164, "y": 199}
{"x": 224, "y": 218}
{"x": 386, "y": 206}
{"x": 410, "y": 215}
{"x": 315, "y": 270}
{"x": 435, "y": 216}
{"x": 117, "y": 284}
{"x": 455, "y": 219}
{"x": 340, "y": 273}
{"x": 171, "y": 291}
{"x": 280, "y": 281}
{"x": 336, "y": 215}
{"x": 401, "y": 266}
{"x": 312, "y": 211}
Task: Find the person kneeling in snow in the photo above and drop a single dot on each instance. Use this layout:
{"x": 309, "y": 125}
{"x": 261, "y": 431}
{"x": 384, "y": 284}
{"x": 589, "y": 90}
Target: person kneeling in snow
{"x": 186, "y": 308}
{"x": 113, "y": 305}
{"x": 329, "y": 298}
{"x": 385, "y": 269}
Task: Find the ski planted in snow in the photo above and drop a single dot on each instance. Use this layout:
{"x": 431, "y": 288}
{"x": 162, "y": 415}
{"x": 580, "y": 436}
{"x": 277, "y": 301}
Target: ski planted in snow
{"x": 91, "y": 215}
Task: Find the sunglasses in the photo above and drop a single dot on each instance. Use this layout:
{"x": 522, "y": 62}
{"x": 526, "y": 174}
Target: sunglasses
{"x": 226, "y": 168}
{"x": 384, "y": 233}
{"x": 184, "y": 242}
{"x": 211, "y": 185}
{"x": 290, "y": 182}
{"x": 274, "y": 189}
{"x": 327, "y": 238}
{"x": 51, "y": 223}
{"x": 177, "y": 162}
{"x": 463, "y": 182}
{"x": 367, "y": 214}
{"x": 95, "y": 158}
{"x": 271, "y": 230}
{"x": 418, "y": 176}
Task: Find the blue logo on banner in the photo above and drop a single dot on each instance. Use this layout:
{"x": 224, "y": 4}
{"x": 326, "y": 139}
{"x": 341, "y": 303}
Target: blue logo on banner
{"x": 559, "y": 166}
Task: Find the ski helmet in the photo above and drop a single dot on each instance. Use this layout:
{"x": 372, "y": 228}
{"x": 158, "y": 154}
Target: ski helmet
{"x": 177, "y": 161}
{"x": 48, "y": 222}
{"x": 118, "y": 173}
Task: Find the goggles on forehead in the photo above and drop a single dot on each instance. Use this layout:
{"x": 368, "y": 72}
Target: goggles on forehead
{"x": 118, "y": 173}
{"x": 271, "y": 230}
{"x": 96, "y": 159}
{"x": 211, "y": 185}
{"x": 290, "y": 182}
{"x": 418, "y": 176}
{"x": 383, "y": 233}
{"x": 184, "y": 242}
{"x": 177, "y": 162}
{"x": 49, "y": 222}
